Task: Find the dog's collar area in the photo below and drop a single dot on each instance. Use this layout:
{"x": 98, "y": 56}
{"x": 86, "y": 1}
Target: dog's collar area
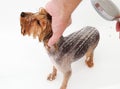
{"x": 48, "y": 36}
{"x": 49, "y": 17}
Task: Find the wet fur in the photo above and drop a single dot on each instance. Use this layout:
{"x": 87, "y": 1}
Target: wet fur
{"x": 67, "y": 49}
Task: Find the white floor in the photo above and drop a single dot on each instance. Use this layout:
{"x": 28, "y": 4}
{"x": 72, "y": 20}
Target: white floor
{"x": 24, "y": 64}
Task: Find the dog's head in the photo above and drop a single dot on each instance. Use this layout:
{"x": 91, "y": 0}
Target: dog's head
{"x": 36, "y": 24}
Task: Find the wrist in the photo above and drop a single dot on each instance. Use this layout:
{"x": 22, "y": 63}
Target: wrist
{"x": 58, "y": 8}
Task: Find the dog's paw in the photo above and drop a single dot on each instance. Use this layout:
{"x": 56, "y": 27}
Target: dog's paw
{"x": 51, "y": 77}
{"x": 89, "y": 63}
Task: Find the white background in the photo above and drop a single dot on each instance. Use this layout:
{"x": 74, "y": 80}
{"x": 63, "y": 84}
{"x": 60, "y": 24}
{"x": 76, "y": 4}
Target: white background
{"x": 24, "y": 63}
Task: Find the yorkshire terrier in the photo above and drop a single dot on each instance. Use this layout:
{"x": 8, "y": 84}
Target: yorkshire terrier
{"x": 67, "y": 49}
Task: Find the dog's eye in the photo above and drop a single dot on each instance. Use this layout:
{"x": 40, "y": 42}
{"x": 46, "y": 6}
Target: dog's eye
{"x": 38, "y": 22}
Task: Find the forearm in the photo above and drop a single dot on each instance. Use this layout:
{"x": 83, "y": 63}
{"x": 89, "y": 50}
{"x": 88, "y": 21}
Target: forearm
{"x": 66, "y": 7}
{"x": 69, "y": 5}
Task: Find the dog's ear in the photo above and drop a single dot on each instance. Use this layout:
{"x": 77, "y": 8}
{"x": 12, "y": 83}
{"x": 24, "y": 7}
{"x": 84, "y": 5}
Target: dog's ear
{"x": 43, "y": 11}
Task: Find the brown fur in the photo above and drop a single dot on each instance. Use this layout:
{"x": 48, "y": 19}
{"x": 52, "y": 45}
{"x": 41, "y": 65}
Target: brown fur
{"x": 39, "y": 25}
{"x": 36, "y": 24}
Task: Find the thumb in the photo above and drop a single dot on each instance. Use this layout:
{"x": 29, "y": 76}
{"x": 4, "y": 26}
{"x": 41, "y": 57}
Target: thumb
{"x": 57, "y": 32}
{"x": 54, "y": 39}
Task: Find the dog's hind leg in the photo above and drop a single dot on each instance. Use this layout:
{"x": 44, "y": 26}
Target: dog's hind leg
{"x": 52, "y": 75}
{"x": 89, "y": 57}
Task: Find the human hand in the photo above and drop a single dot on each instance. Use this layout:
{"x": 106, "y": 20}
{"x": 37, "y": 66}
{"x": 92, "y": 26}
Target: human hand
{"x": 60, "y": 19}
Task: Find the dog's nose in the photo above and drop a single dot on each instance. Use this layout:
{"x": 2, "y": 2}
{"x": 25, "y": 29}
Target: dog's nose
{"x": 23, "y": 14}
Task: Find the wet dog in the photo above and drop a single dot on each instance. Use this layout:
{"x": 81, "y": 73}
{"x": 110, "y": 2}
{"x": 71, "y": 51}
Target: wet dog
{"x": 67, "y": 49}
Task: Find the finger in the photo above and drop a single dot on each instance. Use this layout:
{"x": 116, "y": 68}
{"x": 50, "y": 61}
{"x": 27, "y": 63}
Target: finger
{"x": 69, "y": 22}
{"x": 118, "y": 26}
{"x": 54, "y": 39}
{"x": 57, "y": 32}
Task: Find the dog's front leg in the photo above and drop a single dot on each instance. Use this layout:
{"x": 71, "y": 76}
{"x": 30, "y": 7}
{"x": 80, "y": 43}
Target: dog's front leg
{"x": 52, "y": 75}
{"x": 66, "y": 78}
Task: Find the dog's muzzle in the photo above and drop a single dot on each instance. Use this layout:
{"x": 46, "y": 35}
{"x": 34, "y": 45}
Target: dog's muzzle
{"x": 23, "y": 14}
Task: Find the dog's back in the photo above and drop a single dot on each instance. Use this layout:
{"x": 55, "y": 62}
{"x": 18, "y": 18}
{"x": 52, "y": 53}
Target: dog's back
{"x": 76, "y": 44}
